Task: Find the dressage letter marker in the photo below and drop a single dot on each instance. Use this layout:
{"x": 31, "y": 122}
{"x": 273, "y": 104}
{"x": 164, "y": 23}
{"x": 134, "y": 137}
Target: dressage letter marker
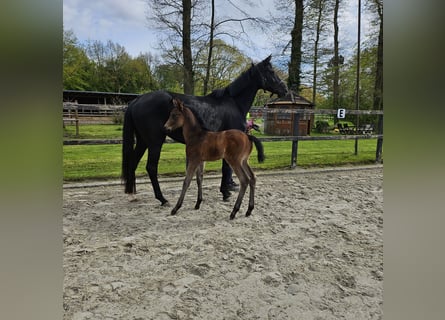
{"x": 341, "y": 113}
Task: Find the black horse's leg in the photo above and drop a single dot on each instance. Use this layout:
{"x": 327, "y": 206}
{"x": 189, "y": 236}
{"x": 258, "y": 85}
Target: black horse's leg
{"x": 225, "y": 180}
{"x": 154, "y": 153}
{"x": 139, "y": 151}
{"x": 199, "y": 178}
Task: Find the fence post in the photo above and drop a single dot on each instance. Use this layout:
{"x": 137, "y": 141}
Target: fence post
{"x": 378, "y": 151}
{"x": 76, "y": 116}
{"x": 295, "y": 132}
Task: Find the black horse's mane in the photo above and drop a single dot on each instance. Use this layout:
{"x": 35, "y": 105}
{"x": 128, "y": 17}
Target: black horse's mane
{"x": 236, "y": 86}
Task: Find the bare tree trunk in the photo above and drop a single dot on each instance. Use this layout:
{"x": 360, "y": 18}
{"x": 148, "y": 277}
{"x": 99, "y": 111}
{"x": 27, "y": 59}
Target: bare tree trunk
{"x": 336, "y": 92}
{"x": 296, "y": 41}
{"x": 378, "y": 86}
{"x": 189, "y": 82}
{"x": 209, "y": 58}
{"x": 317, "y": 40}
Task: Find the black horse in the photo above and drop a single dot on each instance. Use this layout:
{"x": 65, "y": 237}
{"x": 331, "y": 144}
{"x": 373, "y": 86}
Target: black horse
{"x": 222, "y": 109}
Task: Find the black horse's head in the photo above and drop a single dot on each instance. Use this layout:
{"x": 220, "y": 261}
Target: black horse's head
{"x": 269, "y": 80}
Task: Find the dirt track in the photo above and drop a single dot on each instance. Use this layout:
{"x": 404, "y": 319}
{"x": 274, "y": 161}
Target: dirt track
{"x": 312, "y": 249}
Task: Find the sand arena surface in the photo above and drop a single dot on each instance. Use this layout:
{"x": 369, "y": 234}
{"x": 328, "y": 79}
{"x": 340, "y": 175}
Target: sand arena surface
{"x": 312, "y": 249}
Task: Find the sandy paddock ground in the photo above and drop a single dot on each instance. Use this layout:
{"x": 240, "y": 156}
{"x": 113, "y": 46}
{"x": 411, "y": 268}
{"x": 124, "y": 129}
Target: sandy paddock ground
{"x": 312, "y": 249}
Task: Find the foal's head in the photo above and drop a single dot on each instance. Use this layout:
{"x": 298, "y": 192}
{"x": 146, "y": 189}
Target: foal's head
{"x": 176, "y": 119}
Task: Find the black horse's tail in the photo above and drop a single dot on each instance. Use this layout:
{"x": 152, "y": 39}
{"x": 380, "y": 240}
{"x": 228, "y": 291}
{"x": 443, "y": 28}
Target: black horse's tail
{"x": 259, "y": 147}
{"x": 128, "y": 158}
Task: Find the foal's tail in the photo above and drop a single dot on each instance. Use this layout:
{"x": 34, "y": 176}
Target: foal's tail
{"x": 128, "y": 168}
{"x": 259, "y": 147}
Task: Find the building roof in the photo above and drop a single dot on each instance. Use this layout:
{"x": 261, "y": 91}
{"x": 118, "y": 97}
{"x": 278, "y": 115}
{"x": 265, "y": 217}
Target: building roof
{"x": 95, "y": 97}
{"x": 291, "y": 99}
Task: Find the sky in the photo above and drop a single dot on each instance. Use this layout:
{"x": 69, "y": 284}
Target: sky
{"x": 125, "y": 23}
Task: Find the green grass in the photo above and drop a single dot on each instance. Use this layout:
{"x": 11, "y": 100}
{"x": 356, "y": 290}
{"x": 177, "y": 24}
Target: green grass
{"x": 82, "y": 162}
{"x": 93, "y": 131}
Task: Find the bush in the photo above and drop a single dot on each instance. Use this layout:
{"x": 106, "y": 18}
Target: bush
{"x": 321, "y": 126}
{"x": 118, "y": 117}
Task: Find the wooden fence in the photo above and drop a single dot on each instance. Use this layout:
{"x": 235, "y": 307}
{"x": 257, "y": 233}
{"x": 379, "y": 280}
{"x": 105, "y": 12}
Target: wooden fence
{"x": 90, "y": 113}
{"x": 294, "y": 138}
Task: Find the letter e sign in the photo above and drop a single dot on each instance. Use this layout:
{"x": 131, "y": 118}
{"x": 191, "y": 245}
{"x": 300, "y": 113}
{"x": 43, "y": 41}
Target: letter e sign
{"x": 341, "y": 113}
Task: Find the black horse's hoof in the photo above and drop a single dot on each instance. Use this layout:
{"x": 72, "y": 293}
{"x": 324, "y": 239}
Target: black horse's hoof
{"x": 226, "y": 195}
{"x": 164, "y": 203}
{"x": 232, "y": 186}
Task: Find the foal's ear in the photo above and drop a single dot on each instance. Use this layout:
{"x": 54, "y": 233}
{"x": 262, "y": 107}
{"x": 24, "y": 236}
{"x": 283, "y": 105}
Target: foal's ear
{"x": 178, "y": 104}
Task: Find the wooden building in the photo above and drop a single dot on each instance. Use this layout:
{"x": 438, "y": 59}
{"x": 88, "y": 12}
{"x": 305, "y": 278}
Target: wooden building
{"x": 98, "y": 98}
{"x": 94, "y": 107}
{"x": 282, "y": 124}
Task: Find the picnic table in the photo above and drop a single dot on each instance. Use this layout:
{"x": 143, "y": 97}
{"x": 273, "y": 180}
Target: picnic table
{"x": 346, "y": 129}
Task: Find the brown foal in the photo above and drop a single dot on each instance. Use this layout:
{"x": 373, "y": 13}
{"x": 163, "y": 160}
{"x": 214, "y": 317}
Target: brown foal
{"x": 233, "y": 145}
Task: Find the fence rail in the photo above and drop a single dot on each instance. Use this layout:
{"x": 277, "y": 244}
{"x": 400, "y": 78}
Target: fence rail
{"x": 319, "y": 111}
{"x": 294, "y": 138}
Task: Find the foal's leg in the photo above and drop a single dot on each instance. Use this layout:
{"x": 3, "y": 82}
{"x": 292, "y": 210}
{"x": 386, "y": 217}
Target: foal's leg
{"x": 199, "y": 178}
{"x": 243, "y": 179}
{"x": 252, "y": 182}
{"x": 191, "y": 168}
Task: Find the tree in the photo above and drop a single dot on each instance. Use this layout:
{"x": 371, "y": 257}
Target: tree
{"x": 376, "y": 7}
{"x": 114, "y": 70}
{"x": 218, "y": 29}
{"x": 318, "y": 7}
{"x": 293, "y": 81}
{"x": 227, "y": 64}
{"x": 189, "y": 81}
{"x": 140, "y": 75}
{"x": 117, "y": 67}
{"x": 211, "y": 44}
{"x": 166, "y": 76}
{"x": 315, "y": 47}
{"x": 175, "y": 18}
{"x": 183, "y": 24}
{"x": 336, "y": 60}
{"x": 76, "y": 65}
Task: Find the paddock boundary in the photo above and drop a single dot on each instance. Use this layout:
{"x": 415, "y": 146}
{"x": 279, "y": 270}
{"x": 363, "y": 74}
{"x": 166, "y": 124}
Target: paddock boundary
{"x": 217, "y": 176}
{"x": 294, "y": 138}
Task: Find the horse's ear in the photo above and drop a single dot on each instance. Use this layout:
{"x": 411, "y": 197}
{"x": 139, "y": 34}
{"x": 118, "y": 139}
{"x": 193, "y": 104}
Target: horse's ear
{"x": 178, "y": 104}
{"x": 268, "y": 58}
